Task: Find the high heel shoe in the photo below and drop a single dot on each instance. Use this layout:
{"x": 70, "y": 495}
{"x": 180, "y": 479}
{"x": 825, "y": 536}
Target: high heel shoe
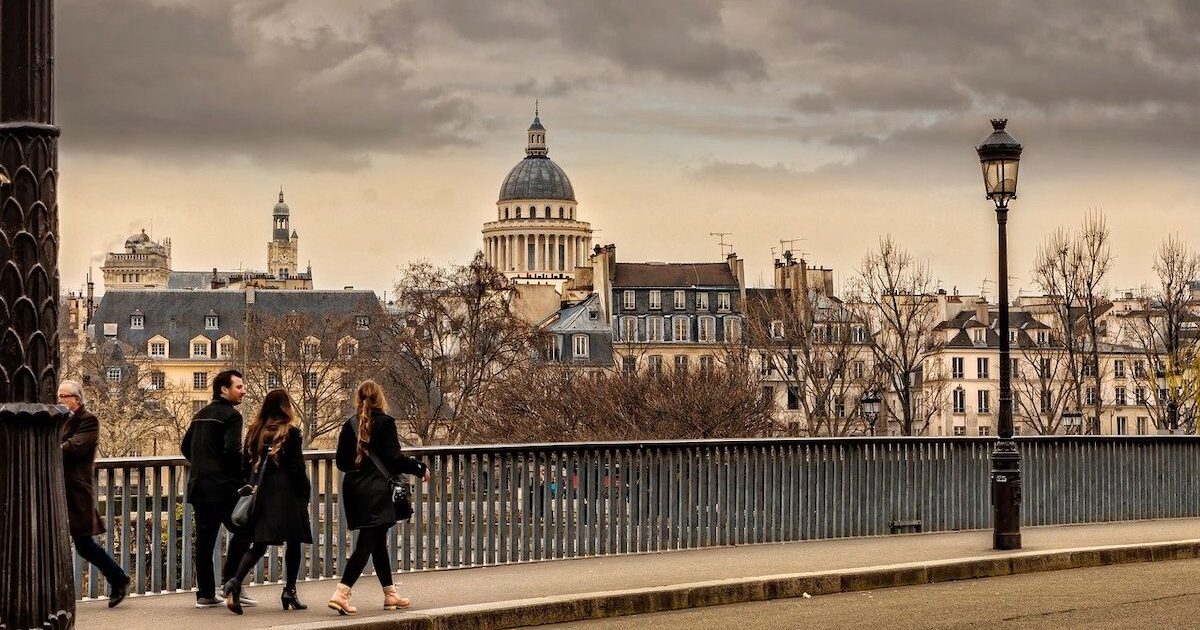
{"x": 233, "y": 592}
{"x": 288, "y": 598}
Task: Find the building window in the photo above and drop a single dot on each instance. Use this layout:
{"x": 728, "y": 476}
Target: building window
{"x": 839, "y": 407}
{"x": 362, "y": 322}
{"x": 981, "y": 367}
{"x": 985, "y": 430}
{"x": 1139, "y": 395}
{"x": 1041, "y": 337}
{"x": 979, "y": 335}
{"x": 628, "y": 329}
{"x": 654, "y": 329}
{"x": 655, "y": 364}
{"x": 158, "y": 380}
{"x": 793, "y": 398}
{"x": 680, "y": 300}
{"x": 984, "y": 397}
{"x": 1119, "y": 396}
{"x": 114, "y": 374}
{"x": 959, "y": 400}
{"x": 158, "y": 349}
{"x": 199, "y": 380}
{"x": 1139, "y": 369}
{"x": 580, "y": 346}
{"x": 708, "y": 329}
{"x": 858, "y": 369}
{"x": 723, "y": 301}
{"x": 561, "y": 213}
{"x": 1046, "y": 370}
{"x": 1122, "y": 428}
{"x": 1119, "y": 368}
{"x": 199, "y": 349}
{"x": 1089, "y": 368}
{"x": 706, "y": 364}
{"x": 681, "y": 326}
{"x": 225, "y": 349}
{"x": 858, "y": 334}
{"x": 310, "y": 380}
{"x": 310, "y": 349}
{"x": 1045, "y": 401}
{"x": 956, "y": 367}
{"x": 764, "y": 363}
{"x": 681, "y": 363}
{"x": 655, "y": 299}
{"x": 960, "y": 431}
{"x": 210, "y": 321}
{"x": 768, "y": 394}
{"x": 733, "y": 329}
{"x": 777, "y": 329}
{"x": 627, "y": 299}
{"x": 1012, "y": 336}
{"x": 137, "y": 322}
{"x": 1143, "y": 425}
{"x": 348, "y": 349}
{"x": 273, "y": 381}
{"x": 701, "y": 300}
{"x": 629, "y": 365}
{"x": 197, "y": 405}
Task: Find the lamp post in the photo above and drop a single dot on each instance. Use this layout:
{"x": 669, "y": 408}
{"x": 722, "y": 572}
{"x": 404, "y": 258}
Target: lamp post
{"x": 870, "y": 409}
{"x": 999, "y": 156}
{"x": 1073, "y": 421}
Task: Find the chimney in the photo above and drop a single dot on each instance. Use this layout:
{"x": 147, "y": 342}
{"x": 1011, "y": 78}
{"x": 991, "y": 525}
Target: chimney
{"x": 91, "y": 297}
{"x": 249, "y": 295}
{"x": 981, "y": 311}
{"x": 737, "y": 268}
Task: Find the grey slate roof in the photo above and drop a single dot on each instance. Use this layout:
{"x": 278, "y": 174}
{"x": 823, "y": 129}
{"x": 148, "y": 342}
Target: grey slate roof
{"x": 575, "y": 318}
{"x": 195, "y": 279}
{"x": 536, "y": 177}
{"x": 179, "y": 315}
{"x": 679, "y": 275}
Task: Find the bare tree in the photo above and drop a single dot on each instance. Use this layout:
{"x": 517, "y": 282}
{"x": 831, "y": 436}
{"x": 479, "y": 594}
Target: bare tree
{"x": 1166, "y": 332}
{"x": 1042, "y": 387}
{"x": 446, "y": 345}
{"x": 1071, "y": 268}
{"x": 319, "y": 363}
{"x": 895, "y": 294}
{"x": 818, "y": 347}
{"x": 131, "y": 413}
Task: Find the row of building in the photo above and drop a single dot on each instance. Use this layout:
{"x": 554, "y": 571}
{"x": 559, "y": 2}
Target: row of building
{"x": 814, "y": 353}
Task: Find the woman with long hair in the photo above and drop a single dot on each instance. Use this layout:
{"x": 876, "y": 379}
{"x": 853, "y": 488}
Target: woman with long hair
{"x": 367, "y": 493}
{"x": 274, "y": 447}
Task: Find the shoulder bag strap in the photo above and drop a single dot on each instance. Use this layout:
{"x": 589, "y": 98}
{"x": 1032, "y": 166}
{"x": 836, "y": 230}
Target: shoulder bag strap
{"x": 262, "y": 469}
{"x": 378, "y": 464}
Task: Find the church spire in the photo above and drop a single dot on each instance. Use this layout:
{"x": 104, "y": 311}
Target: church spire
{"x": 536, "y": 146}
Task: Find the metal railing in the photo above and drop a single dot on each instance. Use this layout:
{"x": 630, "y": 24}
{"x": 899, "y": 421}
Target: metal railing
{"x": 487, "y": 505}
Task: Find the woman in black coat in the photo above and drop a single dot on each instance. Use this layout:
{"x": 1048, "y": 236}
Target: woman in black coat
{"x": 367, "y": 493}
{"x": 275, "y": 449}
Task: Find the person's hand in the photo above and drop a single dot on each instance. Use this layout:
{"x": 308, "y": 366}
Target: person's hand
{"x": 426, "y": 477}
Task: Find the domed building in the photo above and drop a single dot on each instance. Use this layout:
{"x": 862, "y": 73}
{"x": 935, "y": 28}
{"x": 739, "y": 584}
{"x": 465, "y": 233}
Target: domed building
{"x": 143, "y": 264}
{"x": 537, "y": 237}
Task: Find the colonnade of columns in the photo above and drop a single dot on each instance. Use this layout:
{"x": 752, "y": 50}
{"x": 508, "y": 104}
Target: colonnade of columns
{"x": 537, "y": 252}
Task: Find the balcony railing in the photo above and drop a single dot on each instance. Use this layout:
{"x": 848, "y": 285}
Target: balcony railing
{"x": 489, "y": 505}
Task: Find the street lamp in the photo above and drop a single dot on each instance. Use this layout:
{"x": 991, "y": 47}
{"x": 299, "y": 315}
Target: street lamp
{"x": 1073, "y": 418}
{"x": 870, "y": 409}
{"x": 999, "y": 156}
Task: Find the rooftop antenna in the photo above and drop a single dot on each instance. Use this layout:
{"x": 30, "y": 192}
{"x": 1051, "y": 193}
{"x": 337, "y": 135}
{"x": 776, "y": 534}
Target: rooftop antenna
{"x": 722, "y": 244}
{"x": 983, "y": 287}
{"x": 787, "y": 244}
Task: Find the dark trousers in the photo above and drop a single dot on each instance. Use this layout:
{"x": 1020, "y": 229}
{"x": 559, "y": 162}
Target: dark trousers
{"x": 372, "y": 541}
{"x": 209, "y": 518}
{"x": 88, "y": 549}
{"x": 291, "y": 561}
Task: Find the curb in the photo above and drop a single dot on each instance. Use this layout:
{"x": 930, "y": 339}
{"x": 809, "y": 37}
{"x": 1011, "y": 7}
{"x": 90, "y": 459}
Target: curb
{"x": 584, "y": 606}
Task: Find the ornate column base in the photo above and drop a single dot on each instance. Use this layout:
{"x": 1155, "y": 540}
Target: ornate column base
{"x": 36, "y": 586}
{"x": 1006, "y": 496}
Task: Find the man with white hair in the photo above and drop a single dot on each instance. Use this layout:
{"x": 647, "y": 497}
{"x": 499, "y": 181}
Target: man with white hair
{"x": 80, "y": 434}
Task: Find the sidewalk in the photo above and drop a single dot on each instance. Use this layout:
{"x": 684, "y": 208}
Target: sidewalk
{"x": 585, "y": 588}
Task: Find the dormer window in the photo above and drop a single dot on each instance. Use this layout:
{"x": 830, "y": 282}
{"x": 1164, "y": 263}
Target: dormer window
{"x": 210, "y": 322}
{"x": 680, "y": 300}
{"x": 722, "y": 301}
{"x": 593, "y": 314}
{"x": 362, "y": 322}
{"x": 199, "y": 349}
{"x": 137, "y": 322}
{"x": 979, "y": 335}
{"x": 777, "y": 329}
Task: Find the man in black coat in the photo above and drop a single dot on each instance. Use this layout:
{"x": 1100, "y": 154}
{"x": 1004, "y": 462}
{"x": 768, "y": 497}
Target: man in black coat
{"x": 213, "y": 445}
{"x": 79, "y": 437}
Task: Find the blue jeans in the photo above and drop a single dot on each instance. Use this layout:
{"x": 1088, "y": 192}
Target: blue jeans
{"x": 90, "y": 550}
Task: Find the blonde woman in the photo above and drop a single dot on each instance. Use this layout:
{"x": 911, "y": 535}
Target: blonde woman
{"x": 367, "y": 493}
{"x": 275, "y": 448}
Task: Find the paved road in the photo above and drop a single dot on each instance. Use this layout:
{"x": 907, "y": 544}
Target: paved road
{"x": 1159, "y": 595}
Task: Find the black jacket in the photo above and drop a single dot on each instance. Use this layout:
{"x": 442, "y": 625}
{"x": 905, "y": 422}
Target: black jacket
{"x": 213, "y": 445}
{"x": 366, "y": 494}
{"x": 79, "y": 435}
{"x": 281, "y": 506}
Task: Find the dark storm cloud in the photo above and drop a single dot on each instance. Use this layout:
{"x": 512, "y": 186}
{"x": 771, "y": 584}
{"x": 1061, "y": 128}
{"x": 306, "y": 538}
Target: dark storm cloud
{"x": 244, "y": 78}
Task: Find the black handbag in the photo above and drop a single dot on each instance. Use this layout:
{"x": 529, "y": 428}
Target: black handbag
{"x": 401, "y": 493}
{"x": 243, "y": 511}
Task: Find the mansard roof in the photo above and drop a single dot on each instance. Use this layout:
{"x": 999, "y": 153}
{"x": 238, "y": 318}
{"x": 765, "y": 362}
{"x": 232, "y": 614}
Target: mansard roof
{"x": 674, "y": 275}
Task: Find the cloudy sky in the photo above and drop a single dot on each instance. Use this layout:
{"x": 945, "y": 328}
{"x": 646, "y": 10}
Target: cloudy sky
{"x": 391, "y": 123}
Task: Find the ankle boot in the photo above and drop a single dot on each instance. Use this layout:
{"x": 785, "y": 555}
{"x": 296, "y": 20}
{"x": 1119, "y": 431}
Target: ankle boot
{"x": 392, "y": 599}
{"x": 233, "y": 592}
{"x": 341, "y": 600}
{"x": 288, "y": 598}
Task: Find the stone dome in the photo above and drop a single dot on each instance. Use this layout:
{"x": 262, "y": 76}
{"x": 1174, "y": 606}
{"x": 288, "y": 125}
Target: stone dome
{"x": 281, "y": 208}
{"x": 536, "y": 177}
{"x": 137, "y": 239}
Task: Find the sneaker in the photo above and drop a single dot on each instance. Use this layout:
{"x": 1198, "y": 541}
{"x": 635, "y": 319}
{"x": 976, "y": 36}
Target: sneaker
{"x": 209, "y": 602}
